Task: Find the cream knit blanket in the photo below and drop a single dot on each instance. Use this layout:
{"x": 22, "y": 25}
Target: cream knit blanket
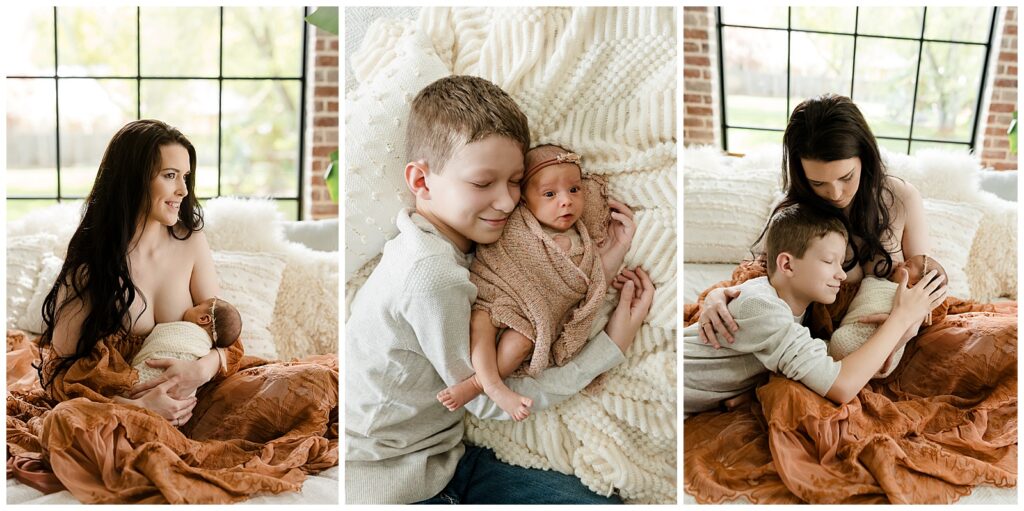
{"x": 601, "y": 81}
{"x": 179, "y": 339}
{"x": 875, "y": 296}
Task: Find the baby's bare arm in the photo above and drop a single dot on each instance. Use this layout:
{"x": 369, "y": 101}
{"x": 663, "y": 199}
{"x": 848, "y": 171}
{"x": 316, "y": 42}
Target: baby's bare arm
{"x": 481, "y": 329}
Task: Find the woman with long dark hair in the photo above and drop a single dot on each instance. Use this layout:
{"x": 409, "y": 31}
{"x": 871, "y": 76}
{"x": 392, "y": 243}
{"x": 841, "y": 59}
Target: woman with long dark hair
{"x": 216, "y": 429}
{"x": 831, "y": 162}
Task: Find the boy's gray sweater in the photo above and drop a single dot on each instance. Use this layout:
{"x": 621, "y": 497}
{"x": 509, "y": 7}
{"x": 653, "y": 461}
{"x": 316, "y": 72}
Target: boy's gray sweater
{"x": 769, "y": 339}
{"x": 406, "y": 339}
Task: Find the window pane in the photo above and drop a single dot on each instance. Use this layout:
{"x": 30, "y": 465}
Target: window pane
{"x": 31, "y": 138}
{"x": 884, "y": 84}
{"x": 948, "y": 94}
{"x": 756, "y": 16}
{"x": 896, "y": 146}
{"x": 969, "y": 24}
{"x": 190, "y": 106}
{"x": 820, "y": 64}
{"x": 180, "y": 41}
{"x": 19, "y": 208}
{"x": 825, "y": 19}
{"x": 289, "y": 208}
{"x": 29, "y": 37}
{"x": 96, "y": 41}
{"x": 263, "y": 41}
{"x": 755, "y": 77}
{"x": 260, "y": 142}
{"x": 916, "y": 146}
{"x": 91, "y": 111}
{"x": 890, "y": 21}
{"x": 744, "y": 141}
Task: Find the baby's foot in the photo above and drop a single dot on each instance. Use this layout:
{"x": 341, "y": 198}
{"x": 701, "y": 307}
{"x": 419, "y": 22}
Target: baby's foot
{"x": 514, "y": 404}
{"x": 459, "y": 394}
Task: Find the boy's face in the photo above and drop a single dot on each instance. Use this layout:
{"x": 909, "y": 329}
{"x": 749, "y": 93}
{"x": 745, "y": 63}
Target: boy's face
{"x": 476, "y": 190}
{"x": 555, "y": 195}
{"x": 818, "y": 274}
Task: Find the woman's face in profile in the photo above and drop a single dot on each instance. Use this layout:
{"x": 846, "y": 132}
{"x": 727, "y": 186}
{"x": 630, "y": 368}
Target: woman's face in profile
{"x": 835, "y": 181}
{"x": 167, "y": 188}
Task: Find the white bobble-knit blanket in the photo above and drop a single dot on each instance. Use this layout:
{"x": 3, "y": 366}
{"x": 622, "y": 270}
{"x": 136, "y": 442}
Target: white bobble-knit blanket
{"x": 602, "y": 82}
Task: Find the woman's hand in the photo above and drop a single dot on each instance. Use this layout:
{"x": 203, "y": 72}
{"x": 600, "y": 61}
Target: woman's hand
{"x": 636, "y": 292}
{"x": 158, "y": 400}
{"x": 715, "y": 316}
{"x": 183, "y": 376}
{"x": 621, "y": 229}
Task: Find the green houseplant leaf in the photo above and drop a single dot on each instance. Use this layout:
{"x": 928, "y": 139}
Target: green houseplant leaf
{"x": 331, "y": 177}
{"x": 325, "y": 18}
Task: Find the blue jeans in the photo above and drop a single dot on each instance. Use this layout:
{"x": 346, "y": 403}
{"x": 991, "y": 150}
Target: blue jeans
{"x": 481, "y": 479}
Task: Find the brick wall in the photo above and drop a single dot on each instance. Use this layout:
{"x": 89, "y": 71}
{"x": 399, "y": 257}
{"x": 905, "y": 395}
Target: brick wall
{"x": 700, "y": 83}
{"x": 1002, "y": 101}
{"x": 322, "y": 115}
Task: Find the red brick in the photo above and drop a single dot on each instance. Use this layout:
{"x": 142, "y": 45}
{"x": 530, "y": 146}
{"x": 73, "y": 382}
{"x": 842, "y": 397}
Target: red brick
{"x": 689, "y": 47}
{"x": 697, "y": 86}
{"x": 691, "y": 73}
{"x": 693, "y": 98}
{"x": 329, "y": 121}
{"x": 697, "y": 61}
{"x": 332, "y": 106}
{"x": 693, "y": 33}
{"x": 319, "y": 91}
{"x": 1012, "y": 165}
{"x": 1010, "y": 29}
{"x": 327, "y": 60}
{"x": 698, "y": 110}
{"x": 1002, "y": 107}
{"x": 1008, "y": 56}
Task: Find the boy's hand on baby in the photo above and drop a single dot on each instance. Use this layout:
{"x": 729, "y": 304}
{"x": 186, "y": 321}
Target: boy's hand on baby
{"x": 918, "y": 301}
{"x": 636, "y": 292}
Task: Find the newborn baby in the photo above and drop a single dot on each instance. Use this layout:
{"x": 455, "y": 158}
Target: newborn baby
{"x": 875, "y": 296}
{"x": 211, "y": 323}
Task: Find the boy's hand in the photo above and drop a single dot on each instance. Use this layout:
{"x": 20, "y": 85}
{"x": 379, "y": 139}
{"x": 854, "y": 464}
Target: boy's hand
{"x": 917, "y": 302}
{"x": 636, "y": 292}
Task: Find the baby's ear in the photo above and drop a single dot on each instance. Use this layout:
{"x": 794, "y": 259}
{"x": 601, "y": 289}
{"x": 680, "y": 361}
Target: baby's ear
{"x": 205, "y": 319}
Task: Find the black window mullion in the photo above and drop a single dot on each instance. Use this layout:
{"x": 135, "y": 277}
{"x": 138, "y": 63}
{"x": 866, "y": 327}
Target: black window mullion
{"x": 138, "y": 62}
{"x": 220, "y": 100}
{"x": 984, "y": 75}
{"x": 721, "y": 77}
{"x": 302, "y": 109}
{"x": 789, "y": 52}
{"x": 917, "y": 77}
{"x": 56, "y": 99}
{"x": 853, "y": 66}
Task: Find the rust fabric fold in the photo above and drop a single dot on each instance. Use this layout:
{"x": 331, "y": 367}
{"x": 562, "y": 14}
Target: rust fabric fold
{"x": 526, "y": 282}
{"x": 943, "y": 422}
{"x": 258, "y": 427}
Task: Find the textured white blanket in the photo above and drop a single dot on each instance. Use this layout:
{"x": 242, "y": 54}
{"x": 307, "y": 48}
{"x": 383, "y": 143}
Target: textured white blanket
{"x": 603, "y": 83}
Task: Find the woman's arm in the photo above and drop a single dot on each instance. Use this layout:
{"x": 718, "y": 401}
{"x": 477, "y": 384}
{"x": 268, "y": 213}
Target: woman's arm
{"x": 715, "y": 317}
{"x": 203, "y": 283}
{"x": 67, "y": 325}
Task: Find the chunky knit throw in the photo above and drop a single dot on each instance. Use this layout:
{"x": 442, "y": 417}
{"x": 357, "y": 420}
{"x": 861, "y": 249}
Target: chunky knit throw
{"x": 179, "y": 339}
{"x": 875, "y": 296}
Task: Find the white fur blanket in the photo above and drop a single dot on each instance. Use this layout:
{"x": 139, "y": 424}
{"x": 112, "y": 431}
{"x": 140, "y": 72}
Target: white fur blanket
{"x": 601, "y": 82}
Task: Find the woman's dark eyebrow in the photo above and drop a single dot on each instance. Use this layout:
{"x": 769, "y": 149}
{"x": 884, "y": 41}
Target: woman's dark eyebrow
{"x": 850, "y": 173}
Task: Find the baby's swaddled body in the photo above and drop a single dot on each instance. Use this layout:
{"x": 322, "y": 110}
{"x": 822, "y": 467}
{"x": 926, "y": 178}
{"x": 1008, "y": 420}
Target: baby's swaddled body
{"x": 181, "y": 340}
{"x": 875, "y": 296}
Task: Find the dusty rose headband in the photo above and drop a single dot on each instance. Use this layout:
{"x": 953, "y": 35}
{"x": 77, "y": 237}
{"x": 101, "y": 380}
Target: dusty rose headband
{"x": 567, "y": 157}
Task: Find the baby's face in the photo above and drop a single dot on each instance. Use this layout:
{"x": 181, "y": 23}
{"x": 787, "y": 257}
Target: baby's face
{"x": 555, "y": 195}
{"x": 200, "y": 313}
{"x": 915, "y": 269}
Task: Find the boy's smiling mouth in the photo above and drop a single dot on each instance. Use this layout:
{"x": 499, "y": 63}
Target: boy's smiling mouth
{"x": 495, "y": 222}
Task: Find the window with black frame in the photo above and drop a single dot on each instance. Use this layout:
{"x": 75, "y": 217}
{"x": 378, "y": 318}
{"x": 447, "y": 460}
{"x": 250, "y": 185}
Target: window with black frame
{"x": 916, "y": 73}
{"x": 232, "y": 79}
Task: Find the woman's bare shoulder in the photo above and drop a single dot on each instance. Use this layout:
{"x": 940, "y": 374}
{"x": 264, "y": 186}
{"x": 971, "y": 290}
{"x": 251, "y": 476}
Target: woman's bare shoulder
{"x": 906, "y": 194}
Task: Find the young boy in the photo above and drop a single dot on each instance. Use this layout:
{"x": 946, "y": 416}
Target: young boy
{"x": 805, "y": 252}
{"x": 407, "y": 336}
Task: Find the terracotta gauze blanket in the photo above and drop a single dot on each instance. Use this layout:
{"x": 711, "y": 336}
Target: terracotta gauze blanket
{"x": 943, "y": 422}
{"x": 526, "y": 282}
{"x": 257, "y": 427}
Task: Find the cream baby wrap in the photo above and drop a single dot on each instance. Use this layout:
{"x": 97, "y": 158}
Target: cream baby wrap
{"x": 179, "y": 339}
{"x": 875, "y": 296}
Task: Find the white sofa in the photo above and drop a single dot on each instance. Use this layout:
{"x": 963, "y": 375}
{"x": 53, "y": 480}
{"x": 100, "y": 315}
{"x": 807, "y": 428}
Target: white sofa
{"x": 286, "y": 291}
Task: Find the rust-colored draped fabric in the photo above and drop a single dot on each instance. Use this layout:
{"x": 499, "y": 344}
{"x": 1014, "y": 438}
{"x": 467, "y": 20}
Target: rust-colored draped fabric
{"x": 943, "y": 422}
{"x": 258, "y": 427}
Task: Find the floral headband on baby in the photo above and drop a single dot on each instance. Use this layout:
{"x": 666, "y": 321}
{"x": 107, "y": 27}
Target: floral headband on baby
{"x": 566, "y": 157}
{"x": 213, "y": 319}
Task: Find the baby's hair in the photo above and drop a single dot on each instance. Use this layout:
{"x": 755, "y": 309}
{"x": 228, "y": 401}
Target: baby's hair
{"x": 793, "y": 228}
{"x": 458, "y": 110}
{"x": 226, "y": 325}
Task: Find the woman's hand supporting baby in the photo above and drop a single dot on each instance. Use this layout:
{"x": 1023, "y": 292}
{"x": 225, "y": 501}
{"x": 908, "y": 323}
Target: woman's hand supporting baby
{"x": 636, "y": 292}
{"x": 185, "y": 376}
{"x": 620, "y": 237}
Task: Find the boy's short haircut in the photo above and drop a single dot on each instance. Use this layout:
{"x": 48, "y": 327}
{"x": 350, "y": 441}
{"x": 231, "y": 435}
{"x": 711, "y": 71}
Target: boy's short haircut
{"x": 792, "y": 229}
{"x": 458, "y": 110}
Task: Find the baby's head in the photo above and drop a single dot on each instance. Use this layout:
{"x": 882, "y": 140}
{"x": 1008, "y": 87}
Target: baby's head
{"x": 219, "y": 318}
{"x": 553, "y": 186}
{"x": 916, "y": 266}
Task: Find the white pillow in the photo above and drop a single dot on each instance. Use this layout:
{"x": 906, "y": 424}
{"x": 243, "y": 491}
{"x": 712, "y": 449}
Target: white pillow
{"x": 951, "y": 228}
{"x": 724, "y": 211}
{"x": 49, "y": 268}
{"x": 24, "y": 256}
{"x": 245, "y": 225}
{"x": 375, "y": 118}
{"x": 249, "y": 281}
